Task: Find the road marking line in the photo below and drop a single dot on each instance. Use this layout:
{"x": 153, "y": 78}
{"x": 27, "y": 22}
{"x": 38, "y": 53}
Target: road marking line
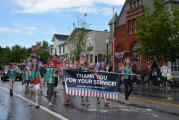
{"x": 41, "y": 107}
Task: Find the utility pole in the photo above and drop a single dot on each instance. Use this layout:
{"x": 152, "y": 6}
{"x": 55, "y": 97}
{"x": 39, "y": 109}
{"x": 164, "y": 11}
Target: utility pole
{"x": 113, "y": 43}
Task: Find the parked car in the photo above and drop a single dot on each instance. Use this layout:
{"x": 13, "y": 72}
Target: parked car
{"x": 4, "y": 76}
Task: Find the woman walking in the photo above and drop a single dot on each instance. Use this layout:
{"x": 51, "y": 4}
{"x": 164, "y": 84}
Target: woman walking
{"x": 50, "y": 79}
{"x": 83, "y": 67}
{"x": 12, "y": 75}
{"x": 103, "y": 68}
{"x": 66, "y": 66}
{"x": 127, "y": 80}
{"x": 35, "y": 82}
{"x": 27, "y": 78}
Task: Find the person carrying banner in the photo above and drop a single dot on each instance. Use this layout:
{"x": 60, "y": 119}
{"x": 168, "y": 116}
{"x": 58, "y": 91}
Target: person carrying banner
{"x": 34, "y": 85}
{"x": 103, "y": 68}
{"x": 127, "y": 80}
{"x": 83, "y": 67}
{"x": 66, "y": 66}
{"x": 50, "y": 79}
{"x": 12, "y": 75}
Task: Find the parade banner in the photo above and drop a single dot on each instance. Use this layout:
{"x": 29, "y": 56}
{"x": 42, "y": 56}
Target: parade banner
{"x": 94, "y": 84}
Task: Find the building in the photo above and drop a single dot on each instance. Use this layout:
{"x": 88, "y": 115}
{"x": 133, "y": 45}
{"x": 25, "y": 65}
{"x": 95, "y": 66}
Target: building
{"x": 74, "y": 36}
{"x": 97, "y": 45}
{"x": 59, "y": 47}
{"x": 125, "y": 27}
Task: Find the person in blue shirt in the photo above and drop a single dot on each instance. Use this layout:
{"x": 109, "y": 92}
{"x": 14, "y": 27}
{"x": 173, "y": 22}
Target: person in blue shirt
{"x": 12, "y": 75}
{"x": 127, "y": 80}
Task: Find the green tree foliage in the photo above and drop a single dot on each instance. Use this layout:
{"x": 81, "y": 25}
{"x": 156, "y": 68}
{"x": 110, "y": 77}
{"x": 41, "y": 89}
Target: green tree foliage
{"x": 158, "y": 31}
{"x": 5, "y": 56}
{"x": 79, "y": 43}
{"x": 43, "y": 52}
{"x": 19, "y": 54}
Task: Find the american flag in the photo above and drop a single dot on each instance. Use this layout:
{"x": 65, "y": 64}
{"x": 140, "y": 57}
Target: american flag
{"x": 92, "y": 93}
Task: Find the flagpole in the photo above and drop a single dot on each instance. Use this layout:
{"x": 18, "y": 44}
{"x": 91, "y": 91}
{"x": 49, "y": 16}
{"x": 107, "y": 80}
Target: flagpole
{"x": 113, "y": 43}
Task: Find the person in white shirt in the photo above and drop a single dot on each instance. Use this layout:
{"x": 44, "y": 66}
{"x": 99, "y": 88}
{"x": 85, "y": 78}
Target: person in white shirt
{"x": 164, "y": 71}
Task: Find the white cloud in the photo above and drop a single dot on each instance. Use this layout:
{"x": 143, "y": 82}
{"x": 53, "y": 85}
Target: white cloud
{"x": 16, "y": 28}
{"x": 43, "y": 6}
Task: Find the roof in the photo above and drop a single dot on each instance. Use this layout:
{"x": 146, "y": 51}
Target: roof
{"x": 115, "y": 17}
{"x": 60, "y": 37}
{"x": 76, "y": 30}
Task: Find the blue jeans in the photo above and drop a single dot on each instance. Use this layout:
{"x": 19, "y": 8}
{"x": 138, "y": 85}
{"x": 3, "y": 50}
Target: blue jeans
{"x": 128, "y": 88}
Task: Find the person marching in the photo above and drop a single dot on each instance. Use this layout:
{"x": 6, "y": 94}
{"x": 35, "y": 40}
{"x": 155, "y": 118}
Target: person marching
{"x": 50, "y": 79}
{"x": 66, "y": 66}
{"x": 34, "y": 85}
{"x": 27, "y": 77}
{"x": 127, "y": 80}
{"x": 83, "y": 67}
{"x": 103, "y": 68}
{"x": 12, "y": 75}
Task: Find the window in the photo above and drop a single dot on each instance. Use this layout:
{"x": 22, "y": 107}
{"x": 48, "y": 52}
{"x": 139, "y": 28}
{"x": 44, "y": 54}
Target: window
{"x": 130, "y": 5}
{"x": 134, "y": 4}
{"x": 138, "y": 3}
{"x": 91, "y": 58}
{"x": 60, "y": 52}
{"x": 64, "y": 49}
{"x": 132, "y": 26}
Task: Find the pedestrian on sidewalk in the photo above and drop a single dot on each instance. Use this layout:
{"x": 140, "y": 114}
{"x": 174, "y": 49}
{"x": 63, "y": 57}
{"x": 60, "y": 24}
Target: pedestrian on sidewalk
{"x": 164, "y": 71}
{"x": 127, "y": 80}
{"x": 50, "y": 75}
{"x": 155, "y": 73}
{"x": 34, "y": 85}
{"x": 149, "y": 72}
{"x": 169, "y": 80}
{"x": 12, "y": 71}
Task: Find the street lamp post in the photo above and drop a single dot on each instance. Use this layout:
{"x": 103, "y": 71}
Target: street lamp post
{"x": 107, "y": 43}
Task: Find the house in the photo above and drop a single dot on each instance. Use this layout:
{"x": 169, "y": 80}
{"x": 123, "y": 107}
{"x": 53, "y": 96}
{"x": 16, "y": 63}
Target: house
{"x": 73, "y": 38}
{"x": 97, "y": 45}
{"x": 59, "y": 47}
{"x": 125, "y": 27}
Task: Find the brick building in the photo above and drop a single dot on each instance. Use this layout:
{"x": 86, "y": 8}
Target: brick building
{"x": 125, "y": 27}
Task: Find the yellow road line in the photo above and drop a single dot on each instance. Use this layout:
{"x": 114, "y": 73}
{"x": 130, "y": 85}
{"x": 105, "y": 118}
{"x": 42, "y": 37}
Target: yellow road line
{"x": 158, "y": 102}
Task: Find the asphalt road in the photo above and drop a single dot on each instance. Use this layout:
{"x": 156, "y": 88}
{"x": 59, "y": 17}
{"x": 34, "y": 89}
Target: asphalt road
{"x": 16, "y": 108}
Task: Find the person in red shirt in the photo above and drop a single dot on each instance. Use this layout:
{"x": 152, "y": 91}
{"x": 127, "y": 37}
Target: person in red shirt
{"x": 35, "y": 82}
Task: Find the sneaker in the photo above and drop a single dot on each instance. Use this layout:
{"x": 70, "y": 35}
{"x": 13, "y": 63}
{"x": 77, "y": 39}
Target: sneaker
{"x": 37, "y": 106}
{"x": 98, "y": 102}
{"x": 106, "y": 104}
{"x": 50, "y": 104}
{"x": 82, "y": 102}
{"x": 30, "y": 103}
{"x": 126, "y": 102}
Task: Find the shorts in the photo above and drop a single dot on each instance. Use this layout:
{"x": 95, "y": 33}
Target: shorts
{"x": 33, "y": 87}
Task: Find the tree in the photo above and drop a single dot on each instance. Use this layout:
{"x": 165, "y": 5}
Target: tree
{"x": 158, "y": 31}
{"x": 79, "y": 41}
{"x": 43, "y": 52}
{"x": 6, "y": 56}
{"x": 19, "y": 54}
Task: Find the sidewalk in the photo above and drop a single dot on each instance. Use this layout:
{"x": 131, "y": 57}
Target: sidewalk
{"x": 155, "y": 98}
